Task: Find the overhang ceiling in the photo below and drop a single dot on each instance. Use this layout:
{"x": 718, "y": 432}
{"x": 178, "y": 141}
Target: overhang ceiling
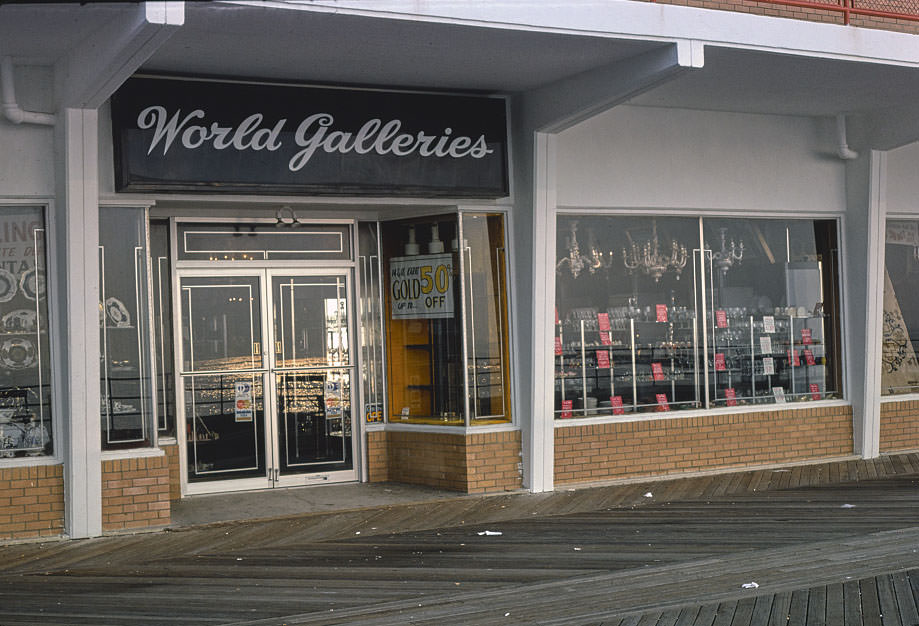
{"x": 306, "y": 46}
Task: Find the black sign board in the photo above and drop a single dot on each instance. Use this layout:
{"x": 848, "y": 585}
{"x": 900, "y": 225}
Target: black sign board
{"x": 180, "y": 135}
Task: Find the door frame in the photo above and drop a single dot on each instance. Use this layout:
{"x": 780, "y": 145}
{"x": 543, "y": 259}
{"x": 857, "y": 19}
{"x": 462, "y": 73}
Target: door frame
{"x": 264, "y": 270}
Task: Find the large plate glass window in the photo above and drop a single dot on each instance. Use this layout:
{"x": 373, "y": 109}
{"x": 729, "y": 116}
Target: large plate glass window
{"x": 900, "y": 334}
{"x": 126, "y": 367}
{"x": 25, "y": 368}
{"x": 445, "y": 302}
{"x": 663, "y": 313}
{"x": 162, "y": 329}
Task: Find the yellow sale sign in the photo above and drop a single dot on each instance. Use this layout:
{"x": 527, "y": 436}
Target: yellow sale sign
{"x": 421, "y": 287}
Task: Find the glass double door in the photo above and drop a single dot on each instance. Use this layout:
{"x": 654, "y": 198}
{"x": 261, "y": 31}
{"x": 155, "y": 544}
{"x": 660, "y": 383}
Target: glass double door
{"x": 266, "y": 378}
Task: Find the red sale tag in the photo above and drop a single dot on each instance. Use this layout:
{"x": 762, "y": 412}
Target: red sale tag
{"x": 657, "y": 371}
{"x": 793, "y": 358}
{"x": 603, "y": 359}
{"x": 815, "y": 391}
{"x": 603, "y": 321}
{"x": 558, "y": 346}
{"x": 616, "y": 401}
{"x": 662, "y": 401}
{"x": 720, "y": 365}
{"x": 605, "y": 339}
{"x": 809, "y": 357}
{"x": 721, "y": 319}
{"x": 806, "y": 336}
{"x": 731, "y": 396}
{"x": 661, "y": 312}
{"x": 566, "y": 409}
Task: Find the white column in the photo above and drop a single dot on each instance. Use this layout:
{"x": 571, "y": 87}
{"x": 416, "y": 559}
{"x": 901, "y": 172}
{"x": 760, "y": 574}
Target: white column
{"x": 77, "y": 237}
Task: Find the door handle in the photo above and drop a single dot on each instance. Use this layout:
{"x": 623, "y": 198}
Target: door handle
{"x": 277, "y": 347}
{"x": 256, "y": 348}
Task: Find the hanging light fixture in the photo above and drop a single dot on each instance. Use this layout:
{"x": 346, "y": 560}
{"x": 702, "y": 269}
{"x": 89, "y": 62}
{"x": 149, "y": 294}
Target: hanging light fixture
{"x": 728, "y": 255}
{"x": 649, "y": 259}
{"x": 575, "y": 261}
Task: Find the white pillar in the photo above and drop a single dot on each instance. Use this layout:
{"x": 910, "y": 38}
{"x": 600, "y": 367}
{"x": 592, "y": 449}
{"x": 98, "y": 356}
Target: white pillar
{"x": 77, "y": 237}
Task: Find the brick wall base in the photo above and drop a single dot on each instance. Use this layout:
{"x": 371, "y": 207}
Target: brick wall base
{"x": 175, "y": 479}
{"x": 135, "y": 493}
{"x": 31, "y": 502}
{"x": 899, "y": 426}
{"x": 660, "y": 447}
{"x": 474, "y": 463}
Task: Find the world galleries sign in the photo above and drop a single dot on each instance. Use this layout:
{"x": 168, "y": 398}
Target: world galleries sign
{"x": 178, "y": 135}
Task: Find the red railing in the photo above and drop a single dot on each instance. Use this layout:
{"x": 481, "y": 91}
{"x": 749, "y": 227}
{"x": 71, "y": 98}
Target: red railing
{"x": 893, "y": 9}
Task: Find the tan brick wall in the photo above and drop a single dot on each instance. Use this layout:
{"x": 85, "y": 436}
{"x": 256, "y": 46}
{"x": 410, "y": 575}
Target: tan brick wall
{"x": 658, "y": 447}
{"x": 475, "y": 463}
{"x": 31, "y": 502}
{"x": 377, "y": 457}
{"x": 800, "y": 13}
{"x": 899, "y": 426}
{"x": 135, "y": 493}
{"x": 175, "y": 479}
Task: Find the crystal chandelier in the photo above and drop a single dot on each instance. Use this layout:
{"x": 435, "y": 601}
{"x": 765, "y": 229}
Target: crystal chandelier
{"x": 575, "y": 261}
{"x": 649, "y": 259}
{"x": 728, "y": 255}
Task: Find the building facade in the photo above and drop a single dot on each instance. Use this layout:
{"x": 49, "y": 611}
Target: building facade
{"x": 477, "y": 246}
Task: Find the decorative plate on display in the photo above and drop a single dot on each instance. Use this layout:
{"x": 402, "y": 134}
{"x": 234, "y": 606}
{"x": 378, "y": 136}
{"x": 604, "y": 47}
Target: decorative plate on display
{"x": 117, "y": 312}
{"x": 7, "y": 286}
{"x": 32, "y": 283}
{"x": 17, "y": 354}
{"x": 19, "y": 321}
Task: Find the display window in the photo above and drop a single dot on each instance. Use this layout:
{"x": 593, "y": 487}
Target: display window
{"x": 661, "y": 313}
{"x": 25, "y": 365}
{"x": 446, "y": 310}
{"x": 900, "y": 332}
{"x": 162, "y": 329}
{"x": 126, "y": 369}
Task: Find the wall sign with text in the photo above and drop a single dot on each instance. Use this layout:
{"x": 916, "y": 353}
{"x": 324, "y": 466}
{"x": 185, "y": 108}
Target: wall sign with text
{"x": 421, "y": 287}
{"x": 195, "y": 135}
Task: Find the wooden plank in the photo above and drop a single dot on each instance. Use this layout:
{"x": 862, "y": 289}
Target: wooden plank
{"x": 725, "y": 614}
{"x": 743, "y": 614}
{"x": 906, "y": 603}
{"x": 688, "y": 616}
{"x": 887, "y": 599}
{"x": 781, "y": 604}
{"x": 816, "y": 606}
{"x": 835, "y": 605}
{"x": 871, "y": 608}
{"x": 797, "y": 611}
{"x": 762, "y": 610}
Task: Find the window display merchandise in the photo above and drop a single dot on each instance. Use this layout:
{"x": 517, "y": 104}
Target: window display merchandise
{"x": 675, "y": 313}
{"x": 25, "y": 373}
{"x": 899, "y": 364}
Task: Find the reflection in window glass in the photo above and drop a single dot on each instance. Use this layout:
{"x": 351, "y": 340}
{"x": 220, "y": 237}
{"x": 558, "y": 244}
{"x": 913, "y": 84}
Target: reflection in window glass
{"x": 900, "y": 334}
{"x": 25, "y": 373}
{"x": 423, "y": 312}
{"x": 162, "y": 328}
{"x": 650, "y": 320}
{"x": 486, "y": 317}
{"x": 127, "y": 382}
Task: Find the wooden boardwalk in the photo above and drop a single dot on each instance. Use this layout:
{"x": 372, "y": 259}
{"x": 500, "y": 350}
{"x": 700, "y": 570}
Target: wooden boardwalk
{"x": 836, "y": 543}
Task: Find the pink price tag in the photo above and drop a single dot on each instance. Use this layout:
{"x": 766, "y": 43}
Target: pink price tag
{"x": 558, "y": 346}
{"x": 662, "y": 401}
{"x": 603, "y": 359}
{"x": 603, "y": 321}
{"x": 661, "y": 312}
{"x": 815, "y": 391}
{"x": 720, "y": 365}
{"x": 731, "y": 396}
{"x": 793, "y": 358}
{"x": 809, "y": 357}
{"x": 605, "y": 339}
{"x": 721, "y": 319}
{"x": 566, "y": 409}
{"x": 806, "y": 337}
{"x": 616, "y": 402}
{"x": 657, "y": 371}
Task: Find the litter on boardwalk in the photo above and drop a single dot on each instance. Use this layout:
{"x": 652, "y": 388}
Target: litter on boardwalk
{"x": 847, "y": 506}
{"x": 490, "y": 533}
{"x": 649, "y": 495}
{"x": 750, "y": 585}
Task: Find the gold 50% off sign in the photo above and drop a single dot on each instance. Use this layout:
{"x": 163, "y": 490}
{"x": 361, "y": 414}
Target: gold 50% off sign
{"x": 421, "y": 286}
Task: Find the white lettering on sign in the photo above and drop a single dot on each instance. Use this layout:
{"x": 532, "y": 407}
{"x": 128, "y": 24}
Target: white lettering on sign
{"x": 421, "y": 286}
{"x": 313, "y": 134}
